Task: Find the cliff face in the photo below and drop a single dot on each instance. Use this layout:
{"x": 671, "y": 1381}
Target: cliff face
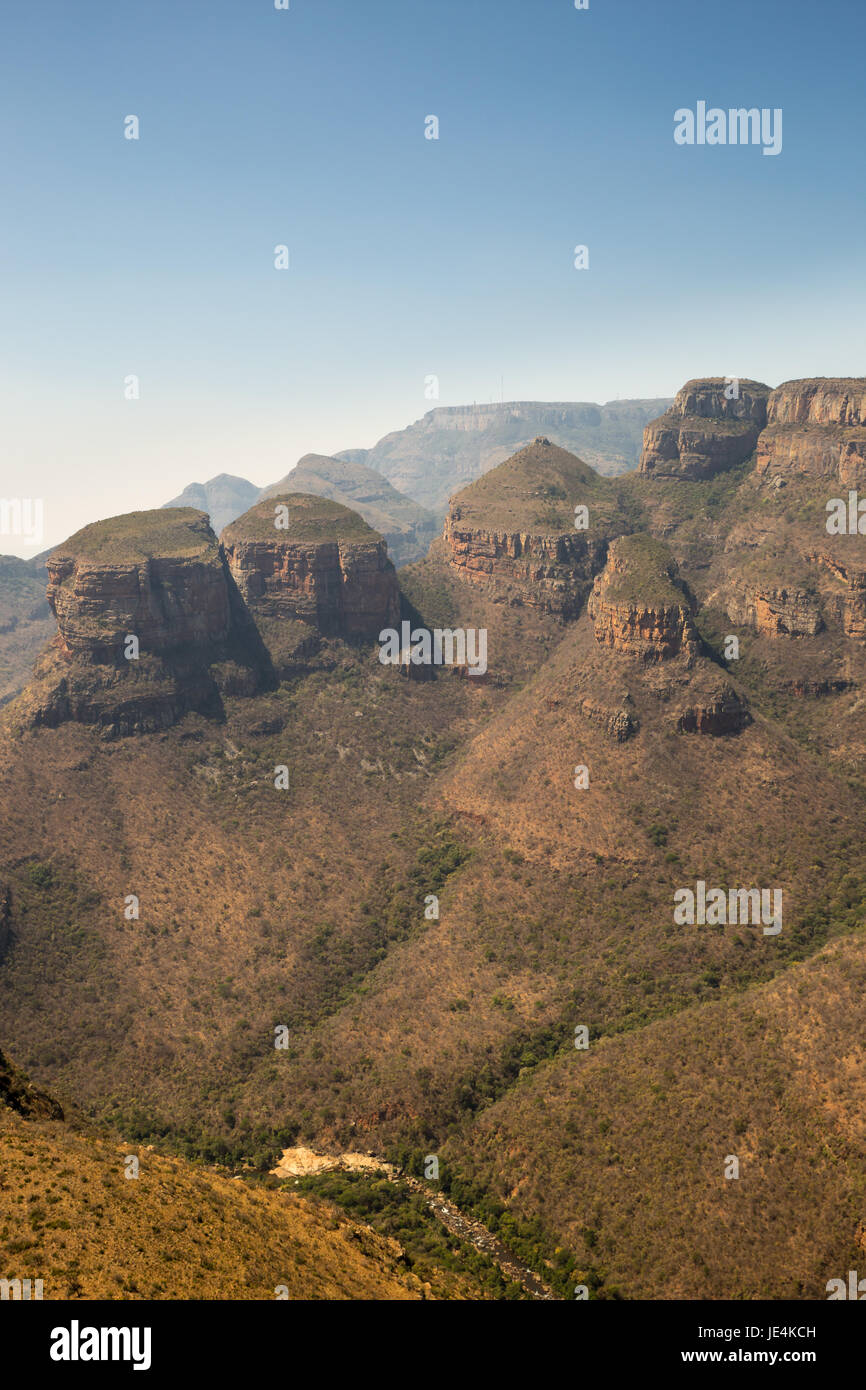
{"x": 327, "y": 568}
{"x": 167, "y": 601}
{"x": 513, "y": 535}
{"x": 816, "y": 428}
{"x": 157, "y": 577}
{"x": 551, "y": 573}
{"x": 704, "y": 432}
{"x": 637, "y": 606}
{"x": 777, "y": 611}
{"x": 719, "y": 710}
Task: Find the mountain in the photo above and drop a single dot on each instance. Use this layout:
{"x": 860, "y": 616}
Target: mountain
{"x": 407, "y": 527}
{"x": 222, "y": 499}
{"x": 438, "y": 919}
{"x": 453, "y": 445}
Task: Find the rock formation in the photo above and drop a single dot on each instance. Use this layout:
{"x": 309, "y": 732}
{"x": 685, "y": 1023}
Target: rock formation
{"x": 816, "y": 428}
{"x": 705, "y": 432}
{"x": 158, "y": 578}
{"x": 512, "y": 534}
{"x": 637, "y": 604}
{"x": 326, "y": 568}
{"x": 149, "y": 626}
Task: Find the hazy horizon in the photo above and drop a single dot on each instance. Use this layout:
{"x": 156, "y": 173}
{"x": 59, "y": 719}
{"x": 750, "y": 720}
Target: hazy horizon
{"x": 408, "y": 257}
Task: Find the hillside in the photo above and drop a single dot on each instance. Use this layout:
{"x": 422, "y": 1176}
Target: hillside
{"x": 26, "y": 622}
{"x": 89, "y": 1229}
{"x": 619, "y": 751}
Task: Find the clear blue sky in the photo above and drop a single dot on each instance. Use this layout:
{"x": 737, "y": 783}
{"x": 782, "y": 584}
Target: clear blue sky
{"x": 408, "y": 256}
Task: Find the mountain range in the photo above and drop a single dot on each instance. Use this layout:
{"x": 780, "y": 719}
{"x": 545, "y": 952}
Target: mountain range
{"x": 262, "y": 892}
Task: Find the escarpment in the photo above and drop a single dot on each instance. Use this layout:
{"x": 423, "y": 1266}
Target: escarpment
{"x": 310, "y": 560}
{"x": 712, "y": 426}
{"x": 149, "y": 627}
{"x": 534, "y": 531}
{"x": 816, "y": 428}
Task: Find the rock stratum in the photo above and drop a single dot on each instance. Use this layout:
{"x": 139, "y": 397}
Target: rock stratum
{"x": 148, "y": 627}
{"x": 513, "y": 535}
{"x": 637, "y": 605}
{"x": 707, "y": 429}
{"x": 326, "y": 567}
{"x": 816, "y": 428}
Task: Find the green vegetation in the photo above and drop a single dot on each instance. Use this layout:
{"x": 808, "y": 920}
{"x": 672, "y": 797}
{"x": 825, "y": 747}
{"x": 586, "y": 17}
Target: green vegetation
{"x": 168, "y": 533}
{"x": 312, "y": 519}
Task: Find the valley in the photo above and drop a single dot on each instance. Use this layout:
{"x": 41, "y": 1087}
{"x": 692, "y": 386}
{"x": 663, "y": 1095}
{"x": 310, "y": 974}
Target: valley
{"x": 301, "y": 909}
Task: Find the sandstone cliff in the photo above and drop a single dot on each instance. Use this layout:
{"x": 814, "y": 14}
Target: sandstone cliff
{"x": 704, "y": 432}
{"x": 327, "y": 568}
{"x": 513, "y": 533}
{"x": 637, "y": 604}
{"x": 158, "y": 578}
{"x": 816, "y": 428}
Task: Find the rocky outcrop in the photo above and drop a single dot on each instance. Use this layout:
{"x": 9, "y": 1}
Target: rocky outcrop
{"x": 846, "y": 603}
{"x": 719, "y": 711}
{"x": 164, "y": 583}
{"x": 816, "y": 428}
{"x": 777, "y": 611}
{"x": 707, "y": 430}
{"x": 550, "y": 573}
{"x": 149, "y": 627}
{"x": 637, "y": 605}
{"x": 325, "y": 567}
{"x": 513, "y": 535}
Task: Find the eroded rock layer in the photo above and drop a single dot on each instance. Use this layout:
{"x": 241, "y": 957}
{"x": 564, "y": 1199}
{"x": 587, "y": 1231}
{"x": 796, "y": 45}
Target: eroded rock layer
{"x": 712, "y": 426}
{"x": 314, "y": 562}
{"x": 637, "y": 604}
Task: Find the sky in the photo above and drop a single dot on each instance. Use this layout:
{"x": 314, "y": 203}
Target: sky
{"x": 408, "y": 257}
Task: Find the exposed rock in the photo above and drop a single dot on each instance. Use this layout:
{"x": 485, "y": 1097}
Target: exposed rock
{"x": 327, "y": 569}
{"x": 719, "y": 711}
{"x": 619, "y": 724}
{"x": 777, "y": 612}
{"x": 847, "y": 607}
{"x": 637, "y": 604}
{"x": 158, "y": 577}
{"x": 513, "y": 533}
{"x": 816, "y": 428}
{"x": 143, "y": 574}
{"x": 704, "y": 432}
